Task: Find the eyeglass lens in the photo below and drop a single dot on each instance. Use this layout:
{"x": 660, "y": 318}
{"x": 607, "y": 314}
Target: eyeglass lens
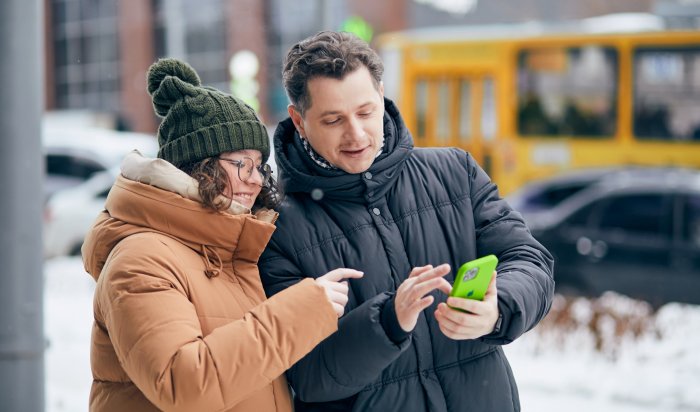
{"x": 245, "y": 170}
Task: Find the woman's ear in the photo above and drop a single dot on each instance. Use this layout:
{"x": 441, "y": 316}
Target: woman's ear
{"x": 297, "y": 119}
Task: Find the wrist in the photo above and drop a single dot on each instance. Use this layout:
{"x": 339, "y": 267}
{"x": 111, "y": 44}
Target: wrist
{"x": 390, "y": 322}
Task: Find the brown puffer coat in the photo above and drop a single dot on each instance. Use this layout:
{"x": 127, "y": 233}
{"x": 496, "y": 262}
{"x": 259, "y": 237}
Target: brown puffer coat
{"x": 181, "y": 320}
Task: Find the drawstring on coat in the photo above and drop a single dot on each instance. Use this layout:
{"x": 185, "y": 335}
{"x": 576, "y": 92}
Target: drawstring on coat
{"x": 209, "y": 272}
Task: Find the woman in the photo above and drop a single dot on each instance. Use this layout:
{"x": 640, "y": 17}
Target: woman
{"x": 181, "y": 320}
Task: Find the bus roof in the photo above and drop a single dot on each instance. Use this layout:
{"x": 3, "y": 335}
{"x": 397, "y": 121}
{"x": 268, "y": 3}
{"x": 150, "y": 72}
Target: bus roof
{"x": 606, "y": 24}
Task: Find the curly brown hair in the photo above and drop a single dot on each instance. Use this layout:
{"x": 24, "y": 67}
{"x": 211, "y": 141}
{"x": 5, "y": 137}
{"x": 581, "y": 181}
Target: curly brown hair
{"x": 213, "y": 182}
{"x": 328, "y": 54}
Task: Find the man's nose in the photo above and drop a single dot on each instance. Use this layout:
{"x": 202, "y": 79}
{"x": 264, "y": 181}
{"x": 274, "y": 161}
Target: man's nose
{"x": 354, "y": 128}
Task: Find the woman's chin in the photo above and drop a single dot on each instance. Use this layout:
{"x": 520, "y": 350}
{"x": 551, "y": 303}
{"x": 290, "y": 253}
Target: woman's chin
{"x": 244, "y": 201}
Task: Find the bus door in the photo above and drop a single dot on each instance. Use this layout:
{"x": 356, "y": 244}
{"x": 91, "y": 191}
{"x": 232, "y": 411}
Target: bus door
{"x": 457, "y": 110}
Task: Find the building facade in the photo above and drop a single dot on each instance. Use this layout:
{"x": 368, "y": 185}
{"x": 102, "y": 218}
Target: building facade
{"x": 98, "y": 51}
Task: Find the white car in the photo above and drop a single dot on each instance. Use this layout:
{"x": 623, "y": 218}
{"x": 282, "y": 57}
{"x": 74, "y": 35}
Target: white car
{"x": 73, "y": 154}
{"x": 81, "y": 164}
{"x": 69, "y": 213}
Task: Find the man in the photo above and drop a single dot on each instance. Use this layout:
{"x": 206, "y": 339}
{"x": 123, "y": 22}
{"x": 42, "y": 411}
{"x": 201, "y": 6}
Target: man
{"x": 359, "y": 195}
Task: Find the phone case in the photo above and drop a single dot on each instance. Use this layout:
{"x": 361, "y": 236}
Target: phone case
{"x": 473, "y": 278}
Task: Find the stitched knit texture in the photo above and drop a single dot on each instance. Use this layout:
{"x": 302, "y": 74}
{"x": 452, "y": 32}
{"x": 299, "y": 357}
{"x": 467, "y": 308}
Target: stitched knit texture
{"x": 200, "y": 122}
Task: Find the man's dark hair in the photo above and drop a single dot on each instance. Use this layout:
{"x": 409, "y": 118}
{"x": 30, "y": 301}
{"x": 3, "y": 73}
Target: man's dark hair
{"x": 326, "y": 54}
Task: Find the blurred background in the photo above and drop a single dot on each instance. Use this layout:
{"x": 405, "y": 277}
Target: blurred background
{"x": 585, "y": 114}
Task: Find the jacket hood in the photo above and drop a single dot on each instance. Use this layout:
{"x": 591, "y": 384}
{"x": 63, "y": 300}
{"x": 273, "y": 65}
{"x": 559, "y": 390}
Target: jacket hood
{"x": 133, "y": 207}
{"x": 300, "y": 174}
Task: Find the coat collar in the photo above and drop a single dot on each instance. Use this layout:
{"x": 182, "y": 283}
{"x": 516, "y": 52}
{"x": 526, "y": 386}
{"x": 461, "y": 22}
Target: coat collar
{"x": 300, "y": 174}
{"x": 133, "y": 207}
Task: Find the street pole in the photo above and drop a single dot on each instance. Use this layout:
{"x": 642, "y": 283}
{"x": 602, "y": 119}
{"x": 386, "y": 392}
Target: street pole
{"x": 21, "y": 164}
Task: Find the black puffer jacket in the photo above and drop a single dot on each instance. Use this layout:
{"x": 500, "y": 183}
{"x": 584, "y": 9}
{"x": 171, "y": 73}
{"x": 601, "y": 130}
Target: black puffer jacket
{"x": 414, "y": 207}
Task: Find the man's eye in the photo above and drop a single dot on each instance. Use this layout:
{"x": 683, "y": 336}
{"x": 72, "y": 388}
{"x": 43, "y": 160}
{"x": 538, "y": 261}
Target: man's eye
{"x": 365, "y": 114}
{"x": 331, "y": 121}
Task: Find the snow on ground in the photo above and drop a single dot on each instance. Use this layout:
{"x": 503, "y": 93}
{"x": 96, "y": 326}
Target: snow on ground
{"x": 556, "y": 371}
{"x": 67, "y": 322}
{"x": 657, "y": 371}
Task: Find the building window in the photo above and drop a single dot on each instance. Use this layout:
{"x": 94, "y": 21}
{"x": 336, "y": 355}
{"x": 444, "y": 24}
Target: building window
{"x": 200, "y": 31}
{"x": 86, "y": 57}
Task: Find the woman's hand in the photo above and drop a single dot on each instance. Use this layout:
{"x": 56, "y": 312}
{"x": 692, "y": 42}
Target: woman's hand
{"x": 337, "y": 287}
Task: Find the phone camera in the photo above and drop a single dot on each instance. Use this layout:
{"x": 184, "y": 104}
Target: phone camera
{"x": 471, "y": 274}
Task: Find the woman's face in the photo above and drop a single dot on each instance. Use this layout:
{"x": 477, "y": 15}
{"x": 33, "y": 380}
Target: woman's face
{"x": 243, "y": 171}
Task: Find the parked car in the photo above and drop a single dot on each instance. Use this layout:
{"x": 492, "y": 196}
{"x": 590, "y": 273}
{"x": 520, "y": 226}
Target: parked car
{"x": 70, "y": 213}
{"x": 535, "y": 199}
{"x": 74, "y": 154}
{"x": 80, "y": 168}
{"x": 636, "y": 233}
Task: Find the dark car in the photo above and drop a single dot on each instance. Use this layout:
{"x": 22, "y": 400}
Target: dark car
{"x": 636, "y": 233}
{"x": 67, "y": 167}
{"x": 535, "y": 199}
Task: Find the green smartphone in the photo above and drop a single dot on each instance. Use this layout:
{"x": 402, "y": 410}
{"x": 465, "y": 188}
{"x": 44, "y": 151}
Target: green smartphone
{"x": 473, "y": 278}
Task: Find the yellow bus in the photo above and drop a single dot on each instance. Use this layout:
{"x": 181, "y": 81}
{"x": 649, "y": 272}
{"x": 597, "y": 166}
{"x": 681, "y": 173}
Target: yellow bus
{"x": 529, "y": 101}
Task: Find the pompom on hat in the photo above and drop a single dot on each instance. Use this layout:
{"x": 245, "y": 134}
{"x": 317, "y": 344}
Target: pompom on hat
{"x": 200, "y": 122}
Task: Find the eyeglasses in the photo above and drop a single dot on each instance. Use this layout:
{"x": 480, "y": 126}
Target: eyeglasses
{"x": 245, "y": 169}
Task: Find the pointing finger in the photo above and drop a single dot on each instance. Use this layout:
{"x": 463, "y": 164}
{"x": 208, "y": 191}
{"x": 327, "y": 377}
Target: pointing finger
{"x": 339, "y": 274}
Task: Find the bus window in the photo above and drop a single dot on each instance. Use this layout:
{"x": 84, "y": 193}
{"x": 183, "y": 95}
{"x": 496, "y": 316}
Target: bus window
{"x": 667, "y": 94}
{"x": 442, "y": 127}
{"x": 421, "y": 108}
{"x": 567, "y": 91}
{"x": 465, "y": 110}
{"x": 488, "y": 110}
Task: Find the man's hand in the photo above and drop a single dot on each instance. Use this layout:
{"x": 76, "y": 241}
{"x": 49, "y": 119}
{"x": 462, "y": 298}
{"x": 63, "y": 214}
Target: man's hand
{"x": 410, "y": 298}
{"x": 479, "y": 321}
{"x": 337, "y": 288}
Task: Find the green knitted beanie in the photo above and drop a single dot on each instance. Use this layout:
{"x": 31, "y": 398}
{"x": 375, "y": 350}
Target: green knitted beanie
{"x": 200, "y": 122}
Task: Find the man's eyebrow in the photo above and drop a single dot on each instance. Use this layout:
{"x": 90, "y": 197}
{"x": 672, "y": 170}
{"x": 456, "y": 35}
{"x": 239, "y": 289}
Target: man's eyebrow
{"x": 329, "y": 112}
{"x": 332, "y": 112}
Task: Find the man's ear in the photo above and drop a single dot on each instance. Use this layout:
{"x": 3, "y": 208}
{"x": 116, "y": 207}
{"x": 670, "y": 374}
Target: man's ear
{"x": 381, "y": 89}
{"x": 297, "y": 119}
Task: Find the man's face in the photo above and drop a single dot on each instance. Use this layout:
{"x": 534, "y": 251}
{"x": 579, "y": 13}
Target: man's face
{"x": 345, "y": 123}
